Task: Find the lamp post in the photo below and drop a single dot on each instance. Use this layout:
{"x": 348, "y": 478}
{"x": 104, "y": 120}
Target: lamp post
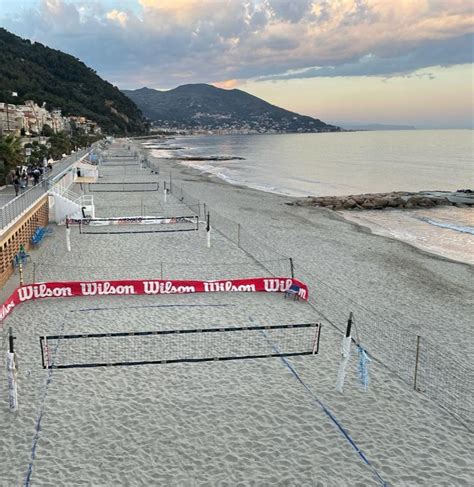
{"x": 27, "y": 154}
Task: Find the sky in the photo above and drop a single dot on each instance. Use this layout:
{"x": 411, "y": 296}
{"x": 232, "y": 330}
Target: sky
{"x": 354, "y": 61}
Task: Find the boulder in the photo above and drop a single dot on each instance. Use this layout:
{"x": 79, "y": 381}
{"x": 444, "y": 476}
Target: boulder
{"x": 394, "y": 201}
{"x": 349, "y": 203}
{"x": 368, "y": 204}
{"x": 426, "y": 203}
{"x": 359, "y": 198}
{"x": 379, "y": 203}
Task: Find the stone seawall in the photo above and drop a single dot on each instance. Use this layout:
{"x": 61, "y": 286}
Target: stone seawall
{"x": 396, "y": 199}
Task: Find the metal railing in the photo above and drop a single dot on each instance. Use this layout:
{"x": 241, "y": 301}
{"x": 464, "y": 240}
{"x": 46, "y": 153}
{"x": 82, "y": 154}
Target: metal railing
{"x": 14, "y": 208}
{"x": 18, "y": 205}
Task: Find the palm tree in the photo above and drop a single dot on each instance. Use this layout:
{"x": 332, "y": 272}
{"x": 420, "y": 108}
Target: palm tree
{"x": 11, "y": 155}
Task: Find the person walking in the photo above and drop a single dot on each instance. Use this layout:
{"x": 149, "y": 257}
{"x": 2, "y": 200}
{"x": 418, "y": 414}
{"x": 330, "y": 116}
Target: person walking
{"x": 24, "y": 180}
{"x": 36, "y": 176}
{"x": 16, "y": 185}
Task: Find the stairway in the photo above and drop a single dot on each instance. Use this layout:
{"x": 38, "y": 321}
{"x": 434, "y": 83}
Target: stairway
{"x": 64, "y": 203}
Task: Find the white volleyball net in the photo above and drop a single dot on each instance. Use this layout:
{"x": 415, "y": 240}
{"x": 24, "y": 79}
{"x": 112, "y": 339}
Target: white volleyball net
{"x": 123, "y": 187}
{"x": 179, "y": 346}
{"x": 136, "y": 224}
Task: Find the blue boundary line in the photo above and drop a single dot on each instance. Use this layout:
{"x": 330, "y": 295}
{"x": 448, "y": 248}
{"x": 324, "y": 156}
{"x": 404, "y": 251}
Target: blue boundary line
{"x": 326, "y": 410}
{"x": 154, "y": 306}
{"x": 40, "y": 417}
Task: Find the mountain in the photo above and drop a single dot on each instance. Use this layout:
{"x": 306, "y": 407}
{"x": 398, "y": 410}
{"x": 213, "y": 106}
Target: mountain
{"x": 39, "y": 73}
{"x": 201, "y": 106}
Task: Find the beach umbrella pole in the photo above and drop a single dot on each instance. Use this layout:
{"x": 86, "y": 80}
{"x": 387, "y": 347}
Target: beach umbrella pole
{"x": 345, "y": 356}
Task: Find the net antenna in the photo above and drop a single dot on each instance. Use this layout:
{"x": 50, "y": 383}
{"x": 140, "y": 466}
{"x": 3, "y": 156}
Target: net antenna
{"x": 179, "y": 346}
{"x": 12, "y": 373}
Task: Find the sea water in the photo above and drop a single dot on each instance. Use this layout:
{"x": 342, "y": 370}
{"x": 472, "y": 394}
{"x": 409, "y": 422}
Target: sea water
{"x": 352, "y": 163}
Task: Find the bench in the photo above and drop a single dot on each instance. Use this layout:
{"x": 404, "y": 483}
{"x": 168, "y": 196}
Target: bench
{"x": 39, "y": 234}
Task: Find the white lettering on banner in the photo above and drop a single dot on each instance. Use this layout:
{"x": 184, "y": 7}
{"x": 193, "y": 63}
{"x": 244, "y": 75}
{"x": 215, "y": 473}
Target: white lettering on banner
{"x": 302, "y": 293}
{"x": 227, "y": 286}
{"x": 277, "y": 285}
{"x": 42, "y": 291}
{"x": 104, "y": 288}
{"x": 167, "y": 287}
{"x": 6, "y": 308}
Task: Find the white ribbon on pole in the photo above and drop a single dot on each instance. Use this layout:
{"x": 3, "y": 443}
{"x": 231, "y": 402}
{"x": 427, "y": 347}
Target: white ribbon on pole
{"x": 68, "y": 239}
{"x": 345, "y": 356}
{"x": 12, "y": 382}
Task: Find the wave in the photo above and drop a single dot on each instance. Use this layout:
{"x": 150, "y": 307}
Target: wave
{"x": 450, "y": 226}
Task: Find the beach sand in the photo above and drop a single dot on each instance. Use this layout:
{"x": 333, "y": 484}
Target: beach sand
{"x": 242, "y": 422}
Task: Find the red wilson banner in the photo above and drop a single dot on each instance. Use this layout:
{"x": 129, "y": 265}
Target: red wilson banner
{"x": 136, "y": 287}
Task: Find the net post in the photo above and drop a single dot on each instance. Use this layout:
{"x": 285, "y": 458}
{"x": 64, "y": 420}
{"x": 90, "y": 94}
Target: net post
{"x": 208, "y": 230}
{"x": 417, "y": 359}
{"x": 345, "y": 355}
{"x": 46, "y": 352}
{"x": 165, "y": 193}
{"x": 292, "y": 268}
{"x": 68, "y": 234}
{"x": 34, "y": 273}
{"x": 238, "y": 235}
{"x": 161, "y": 270}
{"x": 20, "y": 269}
{"x": 12, "y": 374}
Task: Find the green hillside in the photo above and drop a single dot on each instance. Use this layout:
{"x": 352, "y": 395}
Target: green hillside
{"x": 207, "y": 107}
{"x": 39, "y": 73}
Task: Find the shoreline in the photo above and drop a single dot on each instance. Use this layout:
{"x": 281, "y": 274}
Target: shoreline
{"x": 293, "y": 200}
{"x": 190, "y": 424}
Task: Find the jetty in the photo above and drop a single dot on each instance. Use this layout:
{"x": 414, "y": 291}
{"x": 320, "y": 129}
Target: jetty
{"x": 394, "y": 199}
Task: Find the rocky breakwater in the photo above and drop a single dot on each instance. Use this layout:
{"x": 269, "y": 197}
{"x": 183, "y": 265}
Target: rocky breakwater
{"x": 395, "y": 199}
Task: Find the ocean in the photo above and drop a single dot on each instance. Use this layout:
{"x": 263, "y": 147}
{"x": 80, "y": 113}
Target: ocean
{"x": 351, "y": 163}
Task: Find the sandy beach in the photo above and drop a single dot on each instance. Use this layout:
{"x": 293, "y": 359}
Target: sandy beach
{"x": 248, "y": 422}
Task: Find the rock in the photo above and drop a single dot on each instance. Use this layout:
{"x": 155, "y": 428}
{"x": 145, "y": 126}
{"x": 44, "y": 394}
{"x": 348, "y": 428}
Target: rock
{"x": 379, "y": 203}
{"x": 426, "y": 203}
{"x": 359, "y": 199}
{"x": 349, "y": 203}
{"x": 394, "y": 201}
{"x": 368, "y": 205}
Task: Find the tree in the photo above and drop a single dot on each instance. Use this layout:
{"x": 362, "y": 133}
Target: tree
{"x": 11, "y": 152}
{"x": 47, "y": 131}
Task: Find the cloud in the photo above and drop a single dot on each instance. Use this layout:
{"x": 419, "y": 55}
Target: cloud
{"x": 162, "y": 43}
{"x": 227, "y": 84}
{"x": 117, "y": 16}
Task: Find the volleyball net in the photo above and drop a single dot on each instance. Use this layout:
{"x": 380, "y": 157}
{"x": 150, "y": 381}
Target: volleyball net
{"x": 123, "y": 187}
{"x": 179, "y": 346}
{"x": 136, "y": 224}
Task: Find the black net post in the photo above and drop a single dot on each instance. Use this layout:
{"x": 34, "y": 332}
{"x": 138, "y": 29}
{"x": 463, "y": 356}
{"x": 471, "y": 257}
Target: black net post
{"x": 11, "y": 338}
